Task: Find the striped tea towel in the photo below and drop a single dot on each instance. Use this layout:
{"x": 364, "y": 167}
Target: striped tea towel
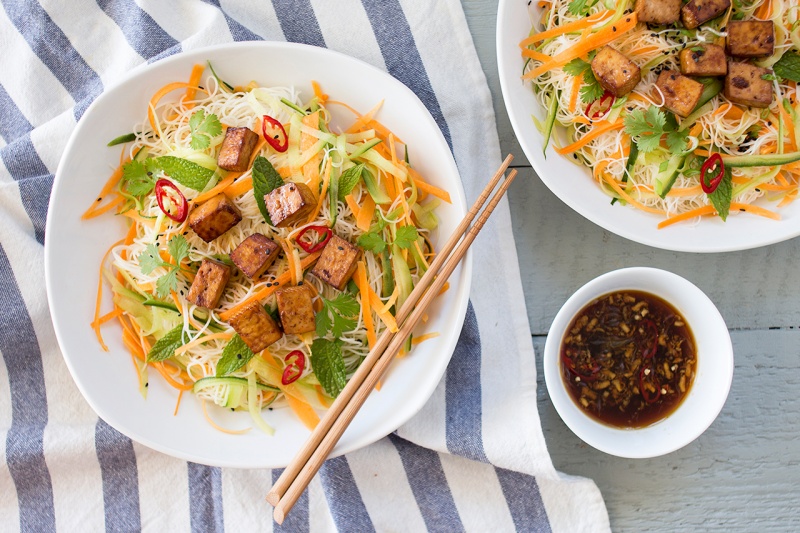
{"x": 474, "y": 459}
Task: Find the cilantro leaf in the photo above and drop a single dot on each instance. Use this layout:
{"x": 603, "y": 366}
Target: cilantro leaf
{"x": 788, "y": 66}
{"x": 178, "y": 248}
{"x": 149, "y": 260}
{"x": 372, "y": 241}
{"x": 646, "y": 127}
{"x": 323, "y": 321}
{"x": 235, "y": 355}
{"x": 722, "y": 195}
{"x": 349, "y": 179}
{"x": 591, "y": 90}
{"x": 137, "y": 178}
{"x": 338, "y": 315}
{"x": 406, "y": 236}
{"x": 203, "y": 127}
{"x": 328, "y": 364}
{"x": 345, "y": 305}
{"x": 581, "y": 7}
{"x": 167, "y": 283}
{"x": 677, "y": 141}
{"x": 265, "y": 180}
{"x": 576, "y": 67}
{"x": 165, "y": 347}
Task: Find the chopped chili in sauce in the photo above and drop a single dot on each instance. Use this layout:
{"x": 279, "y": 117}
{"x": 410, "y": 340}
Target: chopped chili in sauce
{"x": 628, "y": 359}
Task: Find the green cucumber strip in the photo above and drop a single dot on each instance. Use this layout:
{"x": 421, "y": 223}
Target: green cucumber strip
{"x": 128, "y": 137}
{"x": 294, "y": 106}
{"x": 213, "y": 381}
{"x": 549, "y": 123}
{"x": 253, "y": 409}
{"x": 362, "y": 149}
{"x": 666, "y": 179}
{"x": 374, "y": 188}
{"x": 221, "y": 82}
{"x": 768, "y": 160}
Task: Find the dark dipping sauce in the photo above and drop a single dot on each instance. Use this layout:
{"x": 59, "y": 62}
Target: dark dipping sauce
{"x": 628, "y": 359}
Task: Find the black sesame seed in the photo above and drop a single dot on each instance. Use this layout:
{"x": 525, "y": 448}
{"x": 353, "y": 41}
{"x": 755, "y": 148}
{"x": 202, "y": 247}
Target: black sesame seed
{"x": 99, "y": 199}
{"x": 614, "y": 28}
{"x": 147, "y": 384}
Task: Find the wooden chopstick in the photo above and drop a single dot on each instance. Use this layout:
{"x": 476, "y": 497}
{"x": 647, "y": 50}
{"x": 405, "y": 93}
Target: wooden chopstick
{"x": 306, "y": 465}
{"x": 324, "y": 425}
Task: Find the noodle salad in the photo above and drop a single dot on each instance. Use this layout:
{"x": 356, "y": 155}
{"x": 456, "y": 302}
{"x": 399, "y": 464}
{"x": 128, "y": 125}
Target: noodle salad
{"x": 682, "y": 110}
{"x": 266, "y": 252}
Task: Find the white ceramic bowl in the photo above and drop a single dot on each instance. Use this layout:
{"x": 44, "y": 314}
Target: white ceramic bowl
{"x": 74, "y": 248}
{"x": 711, "y": 383}
{"x": 576, "y": 188}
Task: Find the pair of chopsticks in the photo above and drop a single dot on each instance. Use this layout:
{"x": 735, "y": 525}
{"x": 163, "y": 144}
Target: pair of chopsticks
{"x": 296, "y": 477}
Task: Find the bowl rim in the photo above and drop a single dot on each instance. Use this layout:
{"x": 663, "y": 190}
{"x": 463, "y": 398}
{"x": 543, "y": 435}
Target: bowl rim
{"x": 707, "y": 395}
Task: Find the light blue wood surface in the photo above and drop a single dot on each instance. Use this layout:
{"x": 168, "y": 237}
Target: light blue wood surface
{"x": 743, "y": 473}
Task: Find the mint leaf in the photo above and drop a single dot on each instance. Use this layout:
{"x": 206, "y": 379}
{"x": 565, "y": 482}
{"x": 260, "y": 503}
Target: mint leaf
{"x": 722, "y": 195}
{"x": 349, "y": 179}
{"x": 581, "y": 7}
{"x": 165, "y": 347}
{"x": 203, "y": 127}
{"x": 137, "y": 179}
{"x": 788, "y": 66}
{"x": 328, "y": 365}
{"x": 646, "y": 128}
{"x": 372, "y": 241}
{"x": 406, "y": 236}
{"x": 178, "y": 248}
{"x": 339, "y": 315}
{"x": 235, "y": 355}
{"x": 185, "y": 172}
{"x": 265, "y": 180}
{"x": 150, "y": 259}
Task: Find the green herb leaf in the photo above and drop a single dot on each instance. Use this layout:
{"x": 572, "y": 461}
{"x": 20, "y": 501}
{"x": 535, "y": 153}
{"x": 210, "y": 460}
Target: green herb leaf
{"x": 128, "y": 137}
{"x": 581, "y": 7}
{"x": 203, "y": 127}
{"x": 339, "y": 315}
{"x": 323, "y": 321}
{"x": 788, "y": 66}
{"x": 406, "y": 236}
{"x": 165, "y": 347}
{"x": 646, "y": 127}
{"x": 372, "y": 241}
{"x": 678, "y": 141}
{"x": 167, "y": 283}
{"x": 149, "y": 260}
{"x": 235, "y": 355}
{"x": 178, "y": 248}
{"x": 137, "y": 178}
{"x": 328, "y": 364}
{"x": 185, "y": 172}
{"x": 349, "y": 179}
{"x": 265, "y": 180}
{"x": 591, "y": 89}
{"x": 723, "y": 194}
{"x": 576, "y": 67}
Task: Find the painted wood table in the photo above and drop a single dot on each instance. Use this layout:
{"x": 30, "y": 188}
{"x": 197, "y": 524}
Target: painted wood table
{"x": 743, "y": 473}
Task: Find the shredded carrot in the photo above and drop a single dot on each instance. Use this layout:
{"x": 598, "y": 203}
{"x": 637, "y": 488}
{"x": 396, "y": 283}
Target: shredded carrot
{"x": 538, "y": 56}
{"x": 363, "y": 287}
{"x": 326, "y": 178}
{"x": 288, "y": 251}
{"x": 321, "y": 96}
{"x": 591, "y": 42}
{"x": 598, "y": 130}
{"x": 625, "y": 196}
{"x": 444, "y": 288}
{"x": 161, "y": 93}
{"x": 710, "y": 210}
{"x": 92, "y": 213}
{"x": 566, "y": 28}
{"x": 178, "y": 403}
{"x": 303, "y": 411}
{"x": 428, "y": 188}
{"x": 352, "y": 203}
{"x": 265, "y": 292}
{"x": 316, "y": 301}
{"x": 201, "y": 340}
{"x": 194, "y": 82}
{"x": 755, "y": 210}
{"x": 364, "y": 219}
{"x": 577, "y": 81}
{"x": 99, "y": 300}
{"x": 423, "y": 338}
{"x": 385, "y": 316}
{"x": 108, "y": 316}
{"x": 220, "y": 428}
{"x": 764, "y": 11}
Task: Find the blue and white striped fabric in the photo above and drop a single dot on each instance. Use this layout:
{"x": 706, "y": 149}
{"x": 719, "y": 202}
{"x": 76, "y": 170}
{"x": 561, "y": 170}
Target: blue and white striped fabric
{"x": 474, "y": 459}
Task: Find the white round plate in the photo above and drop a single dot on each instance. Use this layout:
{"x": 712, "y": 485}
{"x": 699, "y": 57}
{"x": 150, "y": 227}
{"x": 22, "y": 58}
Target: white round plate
{"x": 576, "y": 188}
{"x": 74, "y": 248}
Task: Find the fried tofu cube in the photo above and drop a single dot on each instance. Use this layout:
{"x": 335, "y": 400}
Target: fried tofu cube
{"x": 289, "y": 203}
{"x": 614, "y": 72}
{"x": 659, "y": 12}
{"x": 255, "y": 327}
{"x": 337, "y": 263}
{"x": 681, "y": 94}
{"x": 698, "y": 12}
{"x": 214, "y": 217}
{"x": 745, "y": 84}
{"x": 209, "y": 283}
{"x": 704, "y": 60}
{"x": 255, "y": 255}
{"x": 236, "y": 149}
{"x": 296, "y": 310}
{"x": 751, "y": 38}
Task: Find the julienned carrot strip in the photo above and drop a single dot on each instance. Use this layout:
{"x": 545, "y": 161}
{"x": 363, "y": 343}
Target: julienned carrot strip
{"x": 625, "y": 196}
{"x": 533, "y": 54}
{"x": 109, "y": 316}
{"x": 423, "y": 338}
{"x": 764, "y": 11}
{"x": 577, "y": 81}
{"x": 789, "y": 198}
{"x": 304, "y": 412}
{"x": 240, "y": 187}
{"x": 566, "y": 28}
{"x": 352, "y": 203}
{"x": 756, "y": 210}
{"x": 169, "y": 379}
{"x": 265, "y": 292}
{"x": 92, "y": 213}
{"x": 599, "y": 129}
{"x": 99, "y": 300}
{"x": 202, "y": 340}
{"x": 710, "y": 210}
{"x": 220, "y": 428}
{"x": 385, "y": 316}
{"x": 290, "y": 259}
{"x": 226, "y": 184}
{"x": 364, "y": 219}
{"x": 366, "y": 312}
{"x": 326, "y": 178}
{"x": 178, "y": 403}
{"x": 428, "y": 188}
{"x": 321, "y": 96}
{"x": 788, "y": 124}
{"x": 194, "y": 81}
{"x": 161, "y": 93}
{"x": 584, "y": 46}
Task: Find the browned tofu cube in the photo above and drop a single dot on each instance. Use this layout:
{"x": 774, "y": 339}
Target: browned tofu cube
{"x": 704, "y": 60}
{"x": 255, "y": 327}
{"x": 681, "y": 94}
{"x": 745, "y": 84}
{"x": 208, "y": 284}
{"x": 289, "y": 203}
{"x": 751, "y": 38}
{"x": 614, "y": 72}
{"x": 296, "y": 310}
{"x": 337, "y": 263}
{"x": 255, "y": 255}
{"x": 698, "y": 12}
{"x": 658, "y": 11}
{"x": 214, "y": 217}
{"x": 236, "y": 149}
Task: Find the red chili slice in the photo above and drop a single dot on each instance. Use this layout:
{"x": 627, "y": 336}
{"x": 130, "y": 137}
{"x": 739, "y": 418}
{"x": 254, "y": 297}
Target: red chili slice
{"x": 171, "y": 200}
{"x": 314, "y": 246}
{"x": 715, "y": 164}
{"x": 653, "y": 331}
{"x": 600, "y": 107}
{"x": 584, "y": 376}
{"x": 274, "y": 134}
{"x": 295, "y": 364}
{"x": 648, "y": 398}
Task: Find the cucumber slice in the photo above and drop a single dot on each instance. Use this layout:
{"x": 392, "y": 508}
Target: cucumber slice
{"x": 760, "y": 160}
